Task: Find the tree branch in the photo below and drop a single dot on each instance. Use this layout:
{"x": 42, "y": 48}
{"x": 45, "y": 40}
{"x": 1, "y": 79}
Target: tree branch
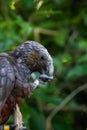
{"x": 18, "y": 118}
{"x": 63, "y": 103}
{"x": 82, "y": 108}
{"x": 39, "y": 31}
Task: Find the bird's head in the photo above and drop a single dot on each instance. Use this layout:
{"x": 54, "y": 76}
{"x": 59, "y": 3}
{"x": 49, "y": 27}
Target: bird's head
{"x": 36, "y": 57}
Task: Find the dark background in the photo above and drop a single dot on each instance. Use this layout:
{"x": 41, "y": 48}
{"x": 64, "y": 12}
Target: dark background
{"x": 61, "y": 26}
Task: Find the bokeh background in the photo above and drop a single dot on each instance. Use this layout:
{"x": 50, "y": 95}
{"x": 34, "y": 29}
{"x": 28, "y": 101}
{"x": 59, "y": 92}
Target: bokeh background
{"x": 61, "y": 26}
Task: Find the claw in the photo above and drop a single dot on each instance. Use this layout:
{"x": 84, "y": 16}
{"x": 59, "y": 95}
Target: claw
{"x": 8, "y": 127}
{"x": 23, "y": 128}
{"x": 13, "y": 126}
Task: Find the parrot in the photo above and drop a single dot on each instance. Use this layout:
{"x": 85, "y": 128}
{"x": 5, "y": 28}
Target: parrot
{"x": 16, "y": 68}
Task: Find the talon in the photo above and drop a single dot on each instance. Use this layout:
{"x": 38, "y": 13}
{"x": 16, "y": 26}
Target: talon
{"x": 23, "y": 128}
{"x": 8, "y": 127}
{"x": 13, "y": 126}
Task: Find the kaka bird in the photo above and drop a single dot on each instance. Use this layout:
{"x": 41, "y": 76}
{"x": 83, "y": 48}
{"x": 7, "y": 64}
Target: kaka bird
{"x": 16, "y": 68}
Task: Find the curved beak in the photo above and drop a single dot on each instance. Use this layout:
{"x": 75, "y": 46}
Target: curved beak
{"x": 50, "y": 69}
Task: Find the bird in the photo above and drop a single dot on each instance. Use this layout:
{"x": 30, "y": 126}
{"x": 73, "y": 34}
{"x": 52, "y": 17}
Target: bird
{"x": 16, "y": 68}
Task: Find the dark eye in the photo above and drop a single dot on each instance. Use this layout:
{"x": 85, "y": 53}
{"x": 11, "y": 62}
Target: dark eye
{"x": 42, "y": 57}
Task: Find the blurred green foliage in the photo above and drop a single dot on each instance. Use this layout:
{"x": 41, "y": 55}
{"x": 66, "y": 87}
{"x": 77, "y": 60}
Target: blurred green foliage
{"x": 61, "y": 26}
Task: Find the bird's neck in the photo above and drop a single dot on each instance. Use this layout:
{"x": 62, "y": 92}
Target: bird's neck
{"x": 23, "y": 71}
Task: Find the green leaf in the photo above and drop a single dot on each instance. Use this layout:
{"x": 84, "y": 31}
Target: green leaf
{"x": 77, "y": 71}
{"x": 82, "y": 59}
{"x": 37, "y": 121}
{"x": 47, "y": 98}
{"x": 83, "y": 44}
{"x": 24, "y": 108}
{"x": 61, "y": 37}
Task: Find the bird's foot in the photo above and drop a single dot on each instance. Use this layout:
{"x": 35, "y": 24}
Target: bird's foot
{"x": 13, "y": 126}
{"x": 23, "y": 128}
{"x": 8, "y": 127}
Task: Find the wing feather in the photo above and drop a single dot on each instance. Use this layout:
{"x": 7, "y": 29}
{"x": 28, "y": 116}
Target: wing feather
{"x": 7, "y": 80}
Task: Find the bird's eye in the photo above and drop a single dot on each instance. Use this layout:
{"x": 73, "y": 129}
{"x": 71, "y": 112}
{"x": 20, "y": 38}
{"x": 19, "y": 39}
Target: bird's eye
{"x": 42, "y": 57}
